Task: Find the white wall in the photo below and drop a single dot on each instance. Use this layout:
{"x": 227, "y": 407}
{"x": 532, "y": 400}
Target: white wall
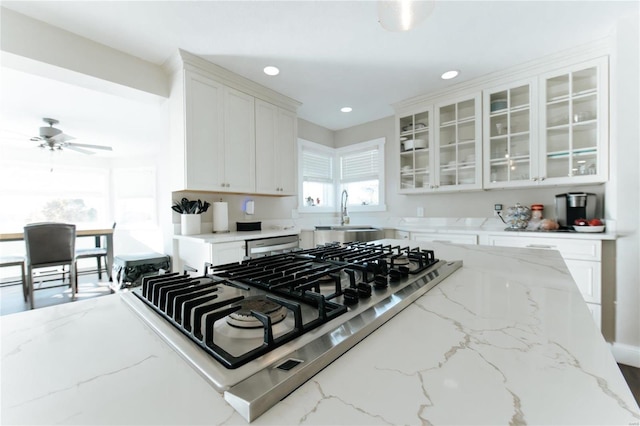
{"x": 313, "y": 132}
{"x": 24, "y": 37}
{"x": 623, "y": 190}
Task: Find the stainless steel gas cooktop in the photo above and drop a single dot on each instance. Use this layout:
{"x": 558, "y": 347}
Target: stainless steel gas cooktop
{"x": 258, "y": 329}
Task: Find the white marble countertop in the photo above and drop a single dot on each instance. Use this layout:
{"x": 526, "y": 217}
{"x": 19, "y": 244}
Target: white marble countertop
{"x": 507, "y": 339}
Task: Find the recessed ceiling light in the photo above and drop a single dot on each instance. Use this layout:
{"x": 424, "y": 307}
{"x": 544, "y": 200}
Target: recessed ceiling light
{"x": 271, "y": 70}
{"x": 450, "y": 74}
{"x": 346, "y": 109}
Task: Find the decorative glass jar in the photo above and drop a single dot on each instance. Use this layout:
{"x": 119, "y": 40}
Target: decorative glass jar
{"x": 518, "y": 216}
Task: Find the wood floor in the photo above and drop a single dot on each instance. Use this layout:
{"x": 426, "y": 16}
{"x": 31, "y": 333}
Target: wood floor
{"x": 52, "y": 292}
{"x": 11, "y": 301}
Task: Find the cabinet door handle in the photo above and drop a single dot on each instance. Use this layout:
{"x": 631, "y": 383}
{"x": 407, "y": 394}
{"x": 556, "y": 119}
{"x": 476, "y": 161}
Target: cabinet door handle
{"x": 441, "y": 241}
{"x": 542, "y": 178}
{"x": 535, "y": 179}
{"x": 540, "y": 246}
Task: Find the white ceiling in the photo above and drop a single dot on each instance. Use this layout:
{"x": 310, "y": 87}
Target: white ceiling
{"x": 330, "y": 53}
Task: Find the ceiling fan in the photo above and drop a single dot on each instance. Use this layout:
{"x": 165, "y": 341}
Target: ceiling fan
{"x": 55, "y": 139}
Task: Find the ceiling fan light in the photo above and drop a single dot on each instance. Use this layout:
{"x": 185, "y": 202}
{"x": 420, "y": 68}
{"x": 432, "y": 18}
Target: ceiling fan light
{"x": 403, "y": 15}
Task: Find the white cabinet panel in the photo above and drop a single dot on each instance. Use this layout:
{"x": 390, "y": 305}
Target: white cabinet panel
{"x": 276, "y": 133}
{"x": 570, "y": 249}
{"x": 239, "y": 142}
{"x": 223, "y": 253}
{"x": 203, "y": 138}
{"x": 588, "y": 277}
{"x": 286, "y": 151}
{"x": 190, "y": 253}
{"x": 446, "y": 238}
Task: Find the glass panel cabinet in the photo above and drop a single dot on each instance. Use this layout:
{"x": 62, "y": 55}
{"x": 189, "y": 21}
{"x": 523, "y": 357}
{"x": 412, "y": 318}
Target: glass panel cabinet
{"x": 566, "y": 143}
{"x": 545, "y": 129}
{"x": 574, "y": 123}
{"x": 416, "y": 143}
{"x": 459, "y": 145}
{"x": 509, "y": 151}
{"x": 447, "y": 158}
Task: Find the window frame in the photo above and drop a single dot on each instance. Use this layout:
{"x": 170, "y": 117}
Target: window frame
{"x": 305, "y": 145}
{"x": 337, "y": 154}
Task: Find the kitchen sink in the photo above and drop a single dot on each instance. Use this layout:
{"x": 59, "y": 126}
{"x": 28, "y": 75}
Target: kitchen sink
{"x": 347, "y": 233}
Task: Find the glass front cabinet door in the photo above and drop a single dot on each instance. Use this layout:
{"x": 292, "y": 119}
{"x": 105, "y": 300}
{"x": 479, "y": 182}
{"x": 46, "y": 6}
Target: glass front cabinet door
{"x": 574, "y": 124}
{"x": 416, "y": 140}
{"x": 459, "y": 145}
{"x": 509, "y": 135}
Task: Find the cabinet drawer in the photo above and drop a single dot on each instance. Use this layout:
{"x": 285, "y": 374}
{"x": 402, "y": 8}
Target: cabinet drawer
{"x": 446, "y": 238}
{"x": 569, "y": 248}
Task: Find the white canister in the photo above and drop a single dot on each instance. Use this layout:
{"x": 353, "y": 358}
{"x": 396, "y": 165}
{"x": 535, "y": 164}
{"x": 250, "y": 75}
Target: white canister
{"x": 190, "y": 224}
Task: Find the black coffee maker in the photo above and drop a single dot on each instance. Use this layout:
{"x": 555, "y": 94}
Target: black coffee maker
{"x": 575, "y": 205}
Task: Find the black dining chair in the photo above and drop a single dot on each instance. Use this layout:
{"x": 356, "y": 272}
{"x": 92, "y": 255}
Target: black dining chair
{"x": 99, "y": 252}
{"x": 50, "y": 244}
{"x": 16, "y": 261}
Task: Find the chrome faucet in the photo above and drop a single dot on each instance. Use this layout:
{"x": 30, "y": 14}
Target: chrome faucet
{"x": 344, "y": 217}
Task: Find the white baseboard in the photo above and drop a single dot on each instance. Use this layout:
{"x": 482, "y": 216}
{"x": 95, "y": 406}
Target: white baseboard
{"x": 626, "y": 354}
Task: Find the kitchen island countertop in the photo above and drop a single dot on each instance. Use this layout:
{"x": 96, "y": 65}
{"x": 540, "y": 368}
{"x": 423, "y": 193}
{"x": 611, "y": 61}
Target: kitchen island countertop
{"x": 505, "y": 339}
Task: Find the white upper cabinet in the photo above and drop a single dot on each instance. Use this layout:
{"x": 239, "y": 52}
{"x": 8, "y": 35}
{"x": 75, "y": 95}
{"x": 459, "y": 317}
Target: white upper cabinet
{"x": 203, "y": 133}
{"x": 416, "y": 151}
{"x": 239, "y": 143}
{"x": 441, "y": 147}
{"x": 548, "y": 131}
{"x": 276, "y": 133}
{"x": 510, "y": 135}
{"x": 219, "y": 121}
{"x": 458, "y": 156}
{"x": 574, "y": 124}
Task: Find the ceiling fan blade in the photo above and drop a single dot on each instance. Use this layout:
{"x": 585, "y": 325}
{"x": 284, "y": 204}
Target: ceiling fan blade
{"x": 84, "y": 145}
{"x": 61, "y": 137}
{"x": 75, "y": 148}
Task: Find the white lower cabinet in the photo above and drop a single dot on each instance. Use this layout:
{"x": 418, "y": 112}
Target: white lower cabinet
{"x": 582, "y": 257}
{"x": 306, "y": 240}
{"x": 222, "y": 253}
{"x": 445, "y": 238}
{"x": 194, "y": 253}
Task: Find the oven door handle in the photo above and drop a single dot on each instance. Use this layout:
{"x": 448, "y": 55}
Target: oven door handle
{"x": 267, "y": 249}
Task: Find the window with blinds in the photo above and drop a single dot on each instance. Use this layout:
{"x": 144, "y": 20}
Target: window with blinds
{"x": 317, "y": 167}
{"x": 317, "y": 186}
{"x": 326, "y": 172}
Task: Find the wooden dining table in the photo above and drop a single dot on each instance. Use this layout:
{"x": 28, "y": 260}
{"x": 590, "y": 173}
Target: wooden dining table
{"x": 80, "y": 232}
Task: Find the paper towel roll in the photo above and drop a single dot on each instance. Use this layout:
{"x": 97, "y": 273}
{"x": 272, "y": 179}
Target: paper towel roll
{"x": 220, "y": 217}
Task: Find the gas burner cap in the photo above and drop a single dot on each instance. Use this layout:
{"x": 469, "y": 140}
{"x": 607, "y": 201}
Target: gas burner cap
{"x": 242, "y": 318}
{"x": 401, "y": 260}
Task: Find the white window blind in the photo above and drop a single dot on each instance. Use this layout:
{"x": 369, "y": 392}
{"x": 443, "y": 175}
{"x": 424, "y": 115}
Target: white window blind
{"x": 359, "y": 166}
{"x": 317, "y": 167}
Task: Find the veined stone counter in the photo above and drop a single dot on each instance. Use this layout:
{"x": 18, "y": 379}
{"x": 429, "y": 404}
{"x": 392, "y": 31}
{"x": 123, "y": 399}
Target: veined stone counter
{"x": 505, "y": 339}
